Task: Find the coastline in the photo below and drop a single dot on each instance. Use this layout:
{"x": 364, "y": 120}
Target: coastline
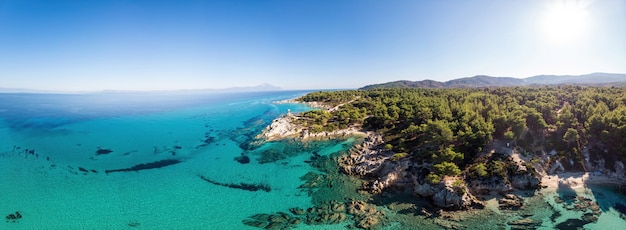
{"x": 284, "y": 126}
{"x": 578, "y": 180}
{"x": 439, "y": 204}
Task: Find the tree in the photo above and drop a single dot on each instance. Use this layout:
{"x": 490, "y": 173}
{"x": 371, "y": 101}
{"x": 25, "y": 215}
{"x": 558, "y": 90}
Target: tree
{"x": 571, "y": 136}
{"x": 479, "y": 170}
{"x": 446, "y": 168}
{"x": 447, "y": 154}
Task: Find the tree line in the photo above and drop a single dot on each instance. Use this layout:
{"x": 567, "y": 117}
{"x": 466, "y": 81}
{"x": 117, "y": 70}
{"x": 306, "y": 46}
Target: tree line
{"x": 448, "y": 127}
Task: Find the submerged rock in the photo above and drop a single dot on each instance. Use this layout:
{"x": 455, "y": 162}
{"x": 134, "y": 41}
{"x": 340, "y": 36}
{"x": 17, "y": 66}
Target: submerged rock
{"x": 13, "y": 217}
{"x": 525, "y": 223}
{"x": 243, "y": 159}
{"x": 151, "y": 165}
{"x": 103, "y": 151}
{"x": 242, "y": 185}
{"x": 573, "y": 224}
{"x": 510, "y": 201}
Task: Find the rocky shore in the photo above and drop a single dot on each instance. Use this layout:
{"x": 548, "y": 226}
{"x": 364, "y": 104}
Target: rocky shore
{"x": 386, "y": 173}
{"x": 285, "y": 127}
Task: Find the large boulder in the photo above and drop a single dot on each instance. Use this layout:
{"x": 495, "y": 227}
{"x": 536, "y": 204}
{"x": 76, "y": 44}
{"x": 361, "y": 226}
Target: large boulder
{"x": 454, "y": 197}
{"x": 487, "y": 185}
{"x": 525, "y": 181}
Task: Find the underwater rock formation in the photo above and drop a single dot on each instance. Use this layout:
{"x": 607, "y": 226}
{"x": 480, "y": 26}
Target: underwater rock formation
{"x": 359, "y": 213}
{"x": 242, "y": 186}
{"x": 103, "y": 151}
{"x": 13, "y": 217}
{"x": 243, "y": 159}
{"x": 151, "y": 165}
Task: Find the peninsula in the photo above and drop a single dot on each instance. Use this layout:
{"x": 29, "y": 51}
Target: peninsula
{"x": 459, "y": 148}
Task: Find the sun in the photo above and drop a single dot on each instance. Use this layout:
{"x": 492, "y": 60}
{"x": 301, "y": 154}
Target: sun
{"x": 565, "y": 21}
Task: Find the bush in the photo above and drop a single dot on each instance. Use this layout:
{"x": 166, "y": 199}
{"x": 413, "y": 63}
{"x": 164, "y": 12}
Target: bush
{"x": 479, "y": 170}
{"x": 447, "y": 168}
{"x": 398, "y": 156}
{"x": 498, "y": 168}
{"x": 433, "y": 178}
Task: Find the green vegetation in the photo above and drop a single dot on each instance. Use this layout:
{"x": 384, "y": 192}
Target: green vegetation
{"x": 398, "y": 156}
{"x": 448, "y": 127}
{"x": 478, "y": 171}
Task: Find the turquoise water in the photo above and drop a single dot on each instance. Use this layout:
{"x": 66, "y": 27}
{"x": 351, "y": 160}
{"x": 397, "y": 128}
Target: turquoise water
{"x": 55, "y": 178}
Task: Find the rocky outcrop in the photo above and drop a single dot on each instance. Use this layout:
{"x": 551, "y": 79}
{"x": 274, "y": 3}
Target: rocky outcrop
{"x": 370, "y": 160}
{"x": 525, "y": 181}
{"x": 488, "y": 185}
{"x": 282, "y": 127}
{"x": 510, "y": 201}
{"x": 393, "y": 174}
{"x": 367, "y": 158}
{"x": 145, "y": 166}
{"x": 13, "y": 217}
{"x": 286, "y": 127}
{"x": 361, "y": 214}
{"x": 453, "y": 196}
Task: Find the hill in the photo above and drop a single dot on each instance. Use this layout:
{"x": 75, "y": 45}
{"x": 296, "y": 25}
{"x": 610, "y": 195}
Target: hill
{"x": 488, "y": 81}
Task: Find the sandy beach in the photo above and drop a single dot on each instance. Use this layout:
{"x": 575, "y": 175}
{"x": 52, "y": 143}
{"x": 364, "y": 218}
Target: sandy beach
{"x": 578, "y": 179}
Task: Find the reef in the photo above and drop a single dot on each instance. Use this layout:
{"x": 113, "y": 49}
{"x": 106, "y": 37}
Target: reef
{"x": 151, "y": 165}
{"x": 13, "y": 217}
{"x": 243, "y": 159}
{"x": 242, "y": 185}
{"x": 360, "y": 214}
{"x": 103, "y": 151}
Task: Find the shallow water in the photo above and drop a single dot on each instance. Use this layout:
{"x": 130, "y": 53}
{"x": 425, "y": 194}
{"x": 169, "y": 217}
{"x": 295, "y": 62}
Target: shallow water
{"x": 47, "y": 142}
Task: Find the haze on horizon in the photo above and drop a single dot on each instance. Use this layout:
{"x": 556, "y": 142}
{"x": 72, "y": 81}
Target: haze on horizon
{"x": 168, "y": 45}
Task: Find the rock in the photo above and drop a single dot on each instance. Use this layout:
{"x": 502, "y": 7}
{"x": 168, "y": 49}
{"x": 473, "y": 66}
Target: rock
{"x": 510, "y": 201}
{"x": 572, "y": 224}
{"x": 255, "y": 223}
{"x": 452, "y": 198}
{"x": 368, "y": 222}
{"x": 446, "y": 224}
{"x": 274, "y": 226}
{"x": 277, "y": 219}
{"x": 297, "y": 211}
{"x": 103, "y": 151}
{"x": 338, "y": 207}
{"x": 426, "y": 189}
{"x": 261, "y": 216}
{"x": 525, "y": 223}
{"x": 13, "y": 217}
{"x": 295, "y": 221}
{"x": 243, "y": 159}
{"x": 590, "y": 217}
{"x": 525, "y": 181}
{"x": 488, "y": 185}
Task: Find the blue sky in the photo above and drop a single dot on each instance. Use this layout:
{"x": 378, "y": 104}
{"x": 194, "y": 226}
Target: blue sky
{"x": 156, "y": 45}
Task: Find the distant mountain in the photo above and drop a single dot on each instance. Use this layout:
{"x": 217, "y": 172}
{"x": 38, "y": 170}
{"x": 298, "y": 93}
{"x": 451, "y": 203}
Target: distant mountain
{"x": 488, "y": 81}
{"x": 262, "y": 87}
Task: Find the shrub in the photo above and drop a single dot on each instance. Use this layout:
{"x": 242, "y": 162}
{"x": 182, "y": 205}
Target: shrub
{"x": 398, "y": 156}
{"x": 433, "y": 178}
{"x": 447, "y": 168}
{"x": 478, "y": 170}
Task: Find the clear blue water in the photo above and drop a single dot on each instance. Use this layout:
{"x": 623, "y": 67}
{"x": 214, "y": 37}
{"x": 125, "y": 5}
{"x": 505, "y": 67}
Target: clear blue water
{"x": 48, "y": 141}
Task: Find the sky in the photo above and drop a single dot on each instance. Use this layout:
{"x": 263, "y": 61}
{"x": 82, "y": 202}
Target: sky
{"x": 306, "y": 44}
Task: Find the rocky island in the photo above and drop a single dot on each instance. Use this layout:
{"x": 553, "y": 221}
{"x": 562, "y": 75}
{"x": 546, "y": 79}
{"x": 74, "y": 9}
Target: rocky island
{"x": 457, "y": 150}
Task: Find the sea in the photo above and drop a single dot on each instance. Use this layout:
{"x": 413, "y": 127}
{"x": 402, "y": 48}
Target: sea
{"x": 192, "y": 160}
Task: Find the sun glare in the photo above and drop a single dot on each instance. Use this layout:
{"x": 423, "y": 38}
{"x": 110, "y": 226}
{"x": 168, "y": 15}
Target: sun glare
{"x": 565, "y": 21}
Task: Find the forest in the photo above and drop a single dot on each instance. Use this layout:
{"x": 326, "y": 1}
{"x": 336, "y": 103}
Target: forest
{"x": 449, "y": 127}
